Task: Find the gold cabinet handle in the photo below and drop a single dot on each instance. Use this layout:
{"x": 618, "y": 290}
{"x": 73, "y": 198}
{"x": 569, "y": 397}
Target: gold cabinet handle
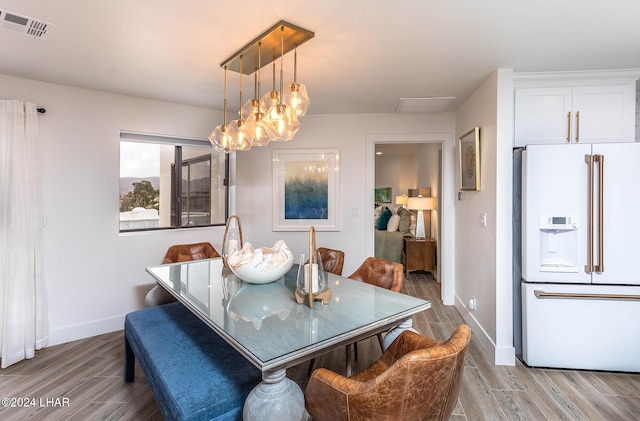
{"x": 577, "y": 126}
{"x": 569, "y": 127}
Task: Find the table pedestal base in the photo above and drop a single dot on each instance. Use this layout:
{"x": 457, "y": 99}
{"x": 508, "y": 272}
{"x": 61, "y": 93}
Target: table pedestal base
{"x": 275, "y": 398}
{"x": 395, "y": 332}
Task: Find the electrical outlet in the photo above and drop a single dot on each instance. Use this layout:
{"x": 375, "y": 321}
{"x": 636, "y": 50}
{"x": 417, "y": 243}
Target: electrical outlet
{"x": 472, "y": 303}
{"x": 354, "y": 212}
{"x": 483, "y": 219}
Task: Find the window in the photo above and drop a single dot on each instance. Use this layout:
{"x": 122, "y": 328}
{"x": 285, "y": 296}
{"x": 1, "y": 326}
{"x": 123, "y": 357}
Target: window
{"x": 168, "y": 182}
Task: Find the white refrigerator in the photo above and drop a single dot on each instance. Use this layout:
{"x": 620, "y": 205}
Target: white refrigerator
{"x": 580, "y": 256}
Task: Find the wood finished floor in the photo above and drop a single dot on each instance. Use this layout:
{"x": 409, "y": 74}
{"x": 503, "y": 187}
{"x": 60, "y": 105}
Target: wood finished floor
{"x": 88, "y": 373}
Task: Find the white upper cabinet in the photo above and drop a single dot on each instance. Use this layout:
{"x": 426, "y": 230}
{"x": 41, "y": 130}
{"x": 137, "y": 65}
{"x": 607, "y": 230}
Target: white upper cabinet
{"x": 583, "y": 110}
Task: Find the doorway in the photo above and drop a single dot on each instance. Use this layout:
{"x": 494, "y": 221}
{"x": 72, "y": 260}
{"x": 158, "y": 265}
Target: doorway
{"x": 409, "y": 166}
{"x": 441, "y": 178}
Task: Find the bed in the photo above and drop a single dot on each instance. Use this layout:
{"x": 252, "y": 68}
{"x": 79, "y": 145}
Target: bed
{"x": 390, "y": 229}
{"x": 388, "y": 244}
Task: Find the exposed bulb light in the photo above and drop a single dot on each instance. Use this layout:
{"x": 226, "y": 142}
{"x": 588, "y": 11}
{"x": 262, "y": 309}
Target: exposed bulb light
{"x": 241, "y": 139}
{"x": 241, "y": 130}
{"x": 260, "y": 128}
{"x": 281, "y": 118}
{"x": 295, "y": 95}
{"x": 283, "y": 123}
{"x": 272, "y": 98}
{"x": 221, "y": 138}
{"x": 274, "y": 116}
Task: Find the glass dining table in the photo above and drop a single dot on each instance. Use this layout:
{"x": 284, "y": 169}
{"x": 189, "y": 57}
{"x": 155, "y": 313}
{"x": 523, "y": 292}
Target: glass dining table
{"x": 265, "y": 324}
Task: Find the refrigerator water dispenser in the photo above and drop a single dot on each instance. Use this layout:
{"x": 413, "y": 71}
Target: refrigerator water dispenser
{"x": 558, "y": 243}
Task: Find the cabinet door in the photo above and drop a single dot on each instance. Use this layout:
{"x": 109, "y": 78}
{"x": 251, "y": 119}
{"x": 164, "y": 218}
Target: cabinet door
{"x": 541, "y": 115}
{"x": 606, "y": 114}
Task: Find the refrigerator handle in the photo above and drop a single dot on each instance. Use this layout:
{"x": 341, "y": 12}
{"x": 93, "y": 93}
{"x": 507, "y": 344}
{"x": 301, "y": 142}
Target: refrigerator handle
{"x": 543, "y": 294}
{"x": 600, "y": 266}
{"x": 588, "y": 268}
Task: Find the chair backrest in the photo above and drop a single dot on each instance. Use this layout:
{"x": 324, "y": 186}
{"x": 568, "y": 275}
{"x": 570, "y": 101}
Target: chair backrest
{"x": 187, "y": 252}
{"x": 432, "y": 374}
{"x": 380, "y": 272}
{"x": 417, "y": 378}
{"x": 332, "y": 260}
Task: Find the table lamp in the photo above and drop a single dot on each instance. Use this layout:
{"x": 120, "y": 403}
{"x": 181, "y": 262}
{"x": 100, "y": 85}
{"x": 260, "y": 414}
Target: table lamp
{"x": 402, "y": 200}
{"x": 420, "y": 204}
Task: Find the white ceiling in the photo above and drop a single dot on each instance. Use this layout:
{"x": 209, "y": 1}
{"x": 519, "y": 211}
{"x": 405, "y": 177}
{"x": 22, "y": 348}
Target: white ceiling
{"x": 366, "y": 54}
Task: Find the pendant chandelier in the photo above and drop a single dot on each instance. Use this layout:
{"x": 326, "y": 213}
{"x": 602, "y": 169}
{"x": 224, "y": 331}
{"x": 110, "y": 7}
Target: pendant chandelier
{"x": 274, "y": 117}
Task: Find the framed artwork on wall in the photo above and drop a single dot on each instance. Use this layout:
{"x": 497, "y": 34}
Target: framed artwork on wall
{"x": 306, "y": 186}
{"x": 382, "y": 195}
{"x": 469, "y": 150}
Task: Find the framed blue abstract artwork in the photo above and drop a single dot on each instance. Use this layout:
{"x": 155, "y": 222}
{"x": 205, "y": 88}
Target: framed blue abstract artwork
{"x": 305, "y": 186}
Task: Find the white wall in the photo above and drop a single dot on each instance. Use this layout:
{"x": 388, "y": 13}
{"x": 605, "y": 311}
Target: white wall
{"x": 429, "y": 176}
{"x": 349, "y": 133}
{"x": 484, "y": 254}
{"x": 94, "y": 275}
{"x": 399, "y": 172}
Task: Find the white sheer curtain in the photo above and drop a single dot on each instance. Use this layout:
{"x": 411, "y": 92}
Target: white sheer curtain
{"x": 24, "y": 325}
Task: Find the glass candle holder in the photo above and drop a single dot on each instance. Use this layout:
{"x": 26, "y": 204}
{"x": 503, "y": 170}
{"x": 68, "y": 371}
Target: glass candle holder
{"x": 318, "y": 277}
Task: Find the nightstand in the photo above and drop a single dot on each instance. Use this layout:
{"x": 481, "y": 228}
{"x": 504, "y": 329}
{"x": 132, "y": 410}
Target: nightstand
{"x": 419, "y": 254}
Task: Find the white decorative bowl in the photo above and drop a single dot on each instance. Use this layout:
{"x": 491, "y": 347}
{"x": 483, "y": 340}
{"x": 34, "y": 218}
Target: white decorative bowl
{"x": 251, "y": 304}
{"x": 263, "y": 265}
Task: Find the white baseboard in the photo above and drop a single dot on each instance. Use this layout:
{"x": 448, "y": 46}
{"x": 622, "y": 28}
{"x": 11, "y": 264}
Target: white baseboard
{"x": 71, "y": 333}
{"x": 505, "y": 355}
{"x": 501, "y": 355}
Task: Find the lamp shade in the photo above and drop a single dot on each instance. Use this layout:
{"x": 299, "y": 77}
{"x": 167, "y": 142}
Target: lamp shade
{"x": 420, "y": 203}
{"x": 296, "y": 96}
{"x": 221, "y": 139}
{"x": 282, "y": 124}
{"x": 402, "y": 200}
{"x": 241, "y": 133}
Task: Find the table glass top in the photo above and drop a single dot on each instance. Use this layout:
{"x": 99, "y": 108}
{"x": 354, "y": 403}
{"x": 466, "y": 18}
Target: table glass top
{"x": 265, "y": 323}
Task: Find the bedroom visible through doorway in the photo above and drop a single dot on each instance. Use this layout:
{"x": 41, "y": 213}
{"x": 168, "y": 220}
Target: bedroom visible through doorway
{"x": 403, "y": 168}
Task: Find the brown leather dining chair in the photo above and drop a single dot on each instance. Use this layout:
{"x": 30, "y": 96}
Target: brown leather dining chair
{"x": 417, "y": 378}
{"x": 332, "y": 260}
{"x": 179, "y": 253}
{"x": 381, "y": 273}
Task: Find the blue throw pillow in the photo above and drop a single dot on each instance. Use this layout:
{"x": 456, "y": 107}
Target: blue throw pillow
{"x": 384, "y": 219}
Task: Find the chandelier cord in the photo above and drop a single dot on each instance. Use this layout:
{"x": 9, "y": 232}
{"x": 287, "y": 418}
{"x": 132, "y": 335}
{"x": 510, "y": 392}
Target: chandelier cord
{"x": 295, "y": 63}
{"x": 224, "y": 117}
{"x": 281, "y": 60}
{"x": 259, "y": 68}
{"x": 240, "y": 91}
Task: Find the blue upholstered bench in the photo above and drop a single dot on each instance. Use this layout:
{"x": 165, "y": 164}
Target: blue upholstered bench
{"x": 193, "y": 373}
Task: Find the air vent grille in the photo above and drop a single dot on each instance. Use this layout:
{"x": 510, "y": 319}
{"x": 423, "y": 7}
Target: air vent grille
{"x": 428, "y": 105}
{"x": 20, "y": 23}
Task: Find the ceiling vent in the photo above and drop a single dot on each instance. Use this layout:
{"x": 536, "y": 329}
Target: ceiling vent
{"x": 427, "y": 105}
{"x": 19, "y": 23}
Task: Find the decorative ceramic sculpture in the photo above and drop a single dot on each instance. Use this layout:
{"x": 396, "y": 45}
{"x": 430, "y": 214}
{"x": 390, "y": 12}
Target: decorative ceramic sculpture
{"x": 262, "y": 265}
